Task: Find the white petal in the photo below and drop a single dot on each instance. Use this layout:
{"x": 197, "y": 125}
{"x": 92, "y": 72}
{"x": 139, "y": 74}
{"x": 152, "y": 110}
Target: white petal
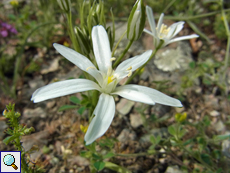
{"x": 104, "y": 113}
{"x": 183, "y": 38}
{"x": 63, "y": 88}
{"x": 160, "y": 21}
{"x": 79, "y": 60}
{"x": 151, "y": 19}
{"x": 134, "y": 62}
{"x": 128, "y": 92}
{"x": 175, "y": 29}
{"x": 101, "y": 48}
{"x": 147, "y": 31}
{"x": 155, "y": 95}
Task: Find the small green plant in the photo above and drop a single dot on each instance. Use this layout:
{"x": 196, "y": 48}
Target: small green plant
{"x": 15, "y": 132}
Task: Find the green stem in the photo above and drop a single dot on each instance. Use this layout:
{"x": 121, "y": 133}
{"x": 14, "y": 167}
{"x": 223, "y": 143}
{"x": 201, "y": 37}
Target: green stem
{"x": 118, "y": 43}
{"x": 169, "y": 5}
{"x": 72, "y": 35}
{"x": 122, "y": 55}
{"x": 226, "y": 61}
{"x": 133, "y": 154}
{"x": 183, "y": 17}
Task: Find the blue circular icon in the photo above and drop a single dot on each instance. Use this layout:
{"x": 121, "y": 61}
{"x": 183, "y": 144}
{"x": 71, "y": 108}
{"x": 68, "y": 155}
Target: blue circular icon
{"x": 8, "y": 159}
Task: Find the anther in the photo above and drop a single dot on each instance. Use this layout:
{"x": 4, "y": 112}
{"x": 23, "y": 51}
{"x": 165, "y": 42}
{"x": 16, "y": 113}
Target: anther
{"x": 90, "y": 68}
{"x": 112, "y": 59}
{"x": 130, "y": 68}
{"x": 130, "y": 73}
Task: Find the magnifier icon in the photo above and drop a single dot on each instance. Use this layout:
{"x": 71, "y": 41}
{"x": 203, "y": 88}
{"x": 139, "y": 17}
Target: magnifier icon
{"x": 9, "y": 161}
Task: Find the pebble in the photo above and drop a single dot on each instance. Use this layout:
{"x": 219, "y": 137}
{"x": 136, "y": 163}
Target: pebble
{"x": 135, "y": 120}
{"x": 214, "y": 113}
{"x": 126, "y": 135}
{"x": 32, "y": 113}
{"x": 124, "y": 106}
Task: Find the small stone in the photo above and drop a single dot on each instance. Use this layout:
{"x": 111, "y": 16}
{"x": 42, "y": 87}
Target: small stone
{"x": 135, "y": 120}
{"x": 80, "y": 161}
{"x": 36, "y": 83}
{"x": 31, "y": 113}
{"x": 124, "y": 106}
{"x": 50, "y": 104}
{"x": 214, "y": 113}
{"x": 53, "y": 66}
{"x": 126, "y": 135}
{"x": 219, "y": 126}
{"x": 173, "y": 169}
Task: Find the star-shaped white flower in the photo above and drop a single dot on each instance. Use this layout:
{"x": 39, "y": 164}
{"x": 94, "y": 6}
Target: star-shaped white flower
{"x": 107, "y": 81}
{"x": 162, "y": 32}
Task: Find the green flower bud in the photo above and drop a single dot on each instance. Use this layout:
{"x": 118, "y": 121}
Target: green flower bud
{"x": 65, "y": 5}
{"x": 136, "y": 21}
{"x": 83, "y": 40}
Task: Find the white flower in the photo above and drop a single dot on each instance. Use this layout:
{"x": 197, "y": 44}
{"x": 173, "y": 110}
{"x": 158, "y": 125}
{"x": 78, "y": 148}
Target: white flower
{"x": 107, "y": 81}
{"x": 162, "y": 32}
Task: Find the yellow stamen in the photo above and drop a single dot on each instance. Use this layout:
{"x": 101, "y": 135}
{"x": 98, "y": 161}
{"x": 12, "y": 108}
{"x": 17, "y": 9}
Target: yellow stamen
{"x": 110, "y": 79}
{"x": 164, "y": 30}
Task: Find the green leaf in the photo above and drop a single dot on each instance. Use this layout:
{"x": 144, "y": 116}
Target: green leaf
{"x": 81, "y": 110}
{"x": 192, "y": 64}
{"x": 96, "y": 157}
{"x": 66, "y": 107}
{"x": 155, "y": 140}
{"x": 206, "y": 158}
{"x": 181, "y": 133}
{"x": 172, "y": 130}
{"x": 99, "y": 165}
{"x": 8, "y": 139}
{"x": 75, "y": 100}
{"x": 221, "y": 137}
{"x": 86, "y": 154}
{"x": 108, "y": 155}
{"x": 116, "y": 168}
{"x": 189, "y": 141}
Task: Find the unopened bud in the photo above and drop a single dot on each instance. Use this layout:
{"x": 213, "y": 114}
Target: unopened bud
{"x": 136, "y": 21}
{"x": 65, "y": 5}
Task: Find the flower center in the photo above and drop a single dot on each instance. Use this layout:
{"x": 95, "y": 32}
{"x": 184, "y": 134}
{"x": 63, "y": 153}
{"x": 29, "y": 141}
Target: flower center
{"x": 164, "y": 31}
{"x": 110, "y": 79}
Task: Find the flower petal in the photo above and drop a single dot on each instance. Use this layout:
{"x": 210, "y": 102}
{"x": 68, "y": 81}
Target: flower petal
{"x": 175, "y": 29}
{"x": 135, "y": 62}
{"x": 147, "y": 31}
{"x": 79, "y": 60}
{"x": 160, "y": 21}
{"x": 63, "y": 88}
{"x": 104, "y": 113}
{"x": 101, "y": 48}
{"x": 155, "y": 95}
{"x": 128, "y": 92}
{"x": 183, "y": 38}
{"x": 151, "y": 20}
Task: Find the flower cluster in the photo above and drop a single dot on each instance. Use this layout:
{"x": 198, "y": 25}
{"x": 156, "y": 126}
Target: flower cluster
{"x": 7, "y": 29}
{"x": 106, "y": 83}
